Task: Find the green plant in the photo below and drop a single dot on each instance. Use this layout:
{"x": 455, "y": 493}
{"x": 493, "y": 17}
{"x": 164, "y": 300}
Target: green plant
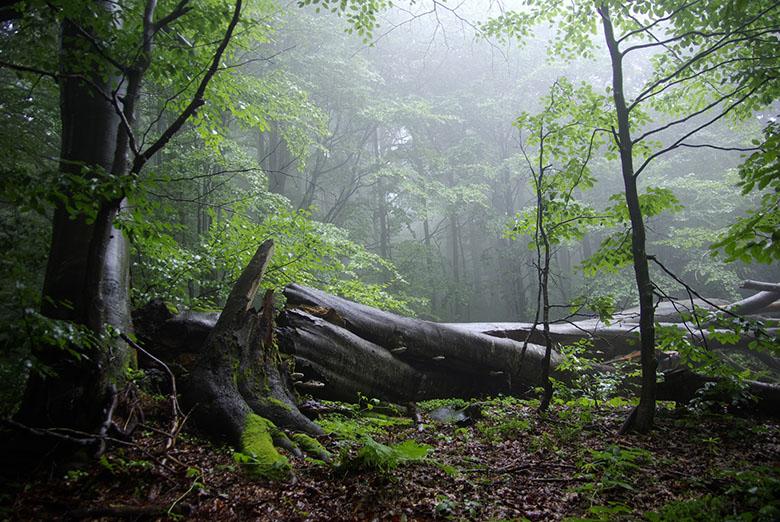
{"x": 445, "y": 506}
{"x": 731, "y": 391}
{"x": 611, "y": 468}
{"x": 434, "y": 404}
{"x": 544, "y": 442}
{"x": 750, "y": 495}
{"x": 612, "y": 511}
{"x": 118, "y": 465}
{"x": 198, "y": 484}
{"x": 503, "y": 430}
{"x": 594, "y": 386}
{"x": 74, "y": 475}
{"x": 375, "y": 456}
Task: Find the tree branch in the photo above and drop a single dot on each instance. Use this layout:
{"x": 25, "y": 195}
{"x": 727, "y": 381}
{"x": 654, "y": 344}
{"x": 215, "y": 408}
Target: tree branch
{"x": 197, "y": 100}
{"x": 180, "y": 10}
{"x": 687, "y": 135}
{"x": 689, "y": 116}
{"x": 656, "y": 22}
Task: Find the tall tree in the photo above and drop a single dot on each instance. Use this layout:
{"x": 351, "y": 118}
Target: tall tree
{"x": 104, "y": 52}
{"x": 711, "y": 61}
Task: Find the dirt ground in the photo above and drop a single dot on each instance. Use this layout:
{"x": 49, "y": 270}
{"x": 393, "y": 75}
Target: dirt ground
{"x": 511, "y": 464}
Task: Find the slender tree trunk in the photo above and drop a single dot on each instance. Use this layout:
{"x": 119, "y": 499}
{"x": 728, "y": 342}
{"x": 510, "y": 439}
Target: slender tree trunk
{"x": 429, "y": 265}
{"x": 384, "y": 233}
{"x": 545, "y": 280}
{"x": 455, "y": 294}
{"x": 645, "y": 412}
{"x": 278, "y": 161}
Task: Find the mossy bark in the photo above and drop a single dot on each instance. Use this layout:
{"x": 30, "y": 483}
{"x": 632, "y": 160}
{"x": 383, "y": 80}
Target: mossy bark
{"x": 258, "y": 453}
{"x": 239, "y": 388}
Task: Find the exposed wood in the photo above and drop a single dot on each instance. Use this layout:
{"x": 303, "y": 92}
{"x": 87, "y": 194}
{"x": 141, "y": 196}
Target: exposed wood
{"x": 762, "y": 286}
{"x": 754, "y": 304}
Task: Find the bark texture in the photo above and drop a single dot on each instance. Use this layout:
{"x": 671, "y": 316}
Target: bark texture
{"x": 239, "y": 372}
{"x": 87, "y": 277}
{"x": 427, "y": 345}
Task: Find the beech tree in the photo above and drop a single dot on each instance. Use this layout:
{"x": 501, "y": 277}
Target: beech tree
{"x": 99, "y": 62}
{"x": 711, "y": 62}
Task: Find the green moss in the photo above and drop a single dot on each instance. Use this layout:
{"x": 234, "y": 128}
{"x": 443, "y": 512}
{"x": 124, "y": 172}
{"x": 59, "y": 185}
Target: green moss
{"x": 279, "y": 404}
{"x": 172, "y": 308}
{"x": 434, "y": 404}
{"x": 358, "y": 427}
{"x": 259, "y": 456}
{"x": 311, "y": 445}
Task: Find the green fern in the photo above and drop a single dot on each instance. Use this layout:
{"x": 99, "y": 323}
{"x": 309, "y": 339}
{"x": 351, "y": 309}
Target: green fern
{"x": 375, "y": 456}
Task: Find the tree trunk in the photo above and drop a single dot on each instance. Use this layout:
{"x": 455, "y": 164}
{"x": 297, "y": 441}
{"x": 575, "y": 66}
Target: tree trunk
{"x": 645, "y": 412}
{"x": 87, "y": 272}
{"x": 340, "y": 365}
{"x": 754, "y": 304}
{"x": 760, "y": 285}
{"x": 356, "y": 348}
{"x": 425, "y": 344}
{"x": 345, "y": 349}
{"x": 239, "y": 382}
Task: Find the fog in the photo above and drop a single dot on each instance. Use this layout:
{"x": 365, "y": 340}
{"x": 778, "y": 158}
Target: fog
{"x": 421, "y": 162}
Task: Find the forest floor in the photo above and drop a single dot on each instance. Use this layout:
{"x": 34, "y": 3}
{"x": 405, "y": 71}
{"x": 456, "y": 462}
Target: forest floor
{"x": 512, "y": 464}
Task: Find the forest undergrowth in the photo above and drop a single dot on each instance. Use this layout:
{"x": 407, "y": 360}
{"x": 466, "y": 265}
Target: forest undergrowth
{"x": 502, "y": 460}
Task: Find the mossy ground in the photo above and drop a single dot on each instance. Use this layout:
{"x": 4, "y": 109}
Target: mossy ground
{"x": 512, "y": 465}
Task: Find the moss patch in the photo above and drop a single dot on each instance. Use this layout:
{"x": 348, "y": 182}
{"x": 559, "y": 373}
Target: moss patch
{"x": 259, "y": 456}
{"x": 311, "y": 446}
{"x": 358, "y": 427}
{"x": 279, "y": 404}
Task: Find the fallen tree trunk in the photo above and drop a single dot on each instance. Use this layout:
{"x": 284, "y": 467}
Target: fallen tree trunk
{"x": 762, "y": 286}
{"x": 340, "y": 365}
{"x": 615, "y": 340}
{"x": 754, "y": 304}
{"x": 428, "y": 345}
{"x": 413, "y": 341}
{"x": 343, "y": 349}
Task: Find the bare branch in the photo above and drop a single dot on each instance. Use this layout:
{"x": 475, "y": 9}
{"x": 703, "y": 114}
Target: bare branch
{"x": 717, "y": 147}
